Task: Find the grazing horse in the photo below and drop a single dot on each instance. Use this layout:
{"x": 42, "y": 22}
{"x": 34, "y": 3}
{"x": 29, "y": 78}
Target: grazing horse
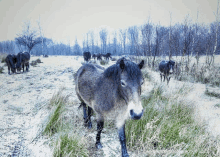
{"x": 11, "y": 61}
{"x": 87, "y": 56}
{"x": 23, "y": 59}
{"x": 99, "y": 56}
{"x": 112, "y": 93}
{"x": 107, "y": 56}
{"x": 94, "y": 56}
{"x": 166, "y": 68}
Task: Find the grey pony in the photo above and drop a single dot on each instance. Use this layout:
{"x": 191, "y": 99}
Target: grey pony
{"x": 112, "y": 93}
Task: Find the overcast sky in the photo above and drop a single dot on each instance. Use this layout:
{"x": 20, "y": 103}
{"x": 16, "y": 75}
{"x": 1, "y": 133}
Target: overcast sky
{"x": 64, "y": 20}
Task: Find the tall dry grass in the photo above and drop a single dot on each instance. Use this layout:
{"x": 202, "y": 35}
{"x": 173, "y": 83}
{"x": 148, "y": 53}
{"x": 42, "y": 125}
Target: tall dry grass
{"x": 67, "y": 140}
{"x": 168, "y": 127}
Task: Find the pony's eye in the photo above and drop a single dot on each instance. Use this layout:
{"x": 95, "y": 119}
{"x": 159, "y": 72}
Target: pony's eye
{"x": 123, "y": 84}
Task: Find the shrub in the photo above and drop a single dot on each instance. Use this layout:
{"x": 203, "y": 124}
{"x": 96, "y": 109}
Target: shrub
{"x": 114, "y": 59}
{"x": 212, "y": 93}
{"x": 1, "y": 69}
{"x": 38, "y": 60}
{"x": 35, "y": 62}
{"x": 104, "y": 62}
{"x": 207, "y": 74}
{"x": 3, "y": 57}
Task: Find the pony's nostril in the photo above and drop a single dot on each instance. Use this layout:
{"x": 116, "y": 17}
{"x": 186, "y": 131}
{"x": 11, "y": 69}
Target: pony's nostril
{"x": 136, "y": 116}
{"x": 131, "y": 112}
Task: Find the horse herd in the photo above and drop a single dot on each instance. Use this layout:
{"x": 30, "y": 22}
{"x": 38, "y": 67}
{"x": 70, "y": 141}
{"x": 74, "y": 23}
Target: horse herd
{"x": 87, "y": 56}
{"x": 112, "y": 93}
{"x": 16, "y": 62}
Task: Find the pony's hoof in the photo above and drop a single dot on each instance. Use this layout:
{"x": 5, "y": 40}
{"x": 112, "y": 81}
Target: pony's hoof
{"x": 89, "y": 125}
{"x": 125, "y": 155}
{"x": 98, "y": 145}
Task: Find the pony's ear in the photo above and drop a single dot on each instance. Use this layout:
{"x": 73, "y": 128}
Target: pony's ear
{"x": 122, "y": 64}
{"x": 141, "y": 64}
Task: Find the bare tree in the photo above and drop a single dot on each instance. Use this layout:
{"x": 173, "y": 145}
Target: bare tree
{"x": 115, "y": 43}
{"x": 103, "y": 36}
{"x": 187, "y": 39}
{"x": 8, "y": 46}
{"x": 1, "y": 48}
{"x": 77, "y": 49}
{"x": 216, "y": 33}
{"x": 123, "y": 37}
{"x": 28, "y": 37}
{"x": 170, "y": 38}
{"x": 41, "y": 35}
{"x": 92, "y": 41}
{"x": 147, "y": 31}
{"x": 133, "y": 36}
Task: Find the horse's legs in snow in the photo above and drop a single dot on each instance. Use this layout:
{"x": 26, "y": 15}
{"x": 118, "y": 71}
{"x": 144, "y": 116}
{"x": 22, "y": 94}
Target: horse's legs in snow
{"x": 122, "y": 138}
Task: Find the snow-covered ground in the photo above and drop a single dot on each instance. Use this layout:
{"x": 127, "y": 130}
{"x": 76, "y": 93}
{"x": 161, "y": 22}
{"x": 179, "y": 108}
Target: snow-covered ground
{"x": 23, "y": 98}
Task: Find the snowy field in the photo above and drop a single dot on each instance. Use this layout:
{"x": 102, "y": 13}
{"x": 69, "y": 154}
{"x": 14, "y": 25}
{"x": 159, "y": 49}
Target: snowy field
{"x": 23, "y": 98}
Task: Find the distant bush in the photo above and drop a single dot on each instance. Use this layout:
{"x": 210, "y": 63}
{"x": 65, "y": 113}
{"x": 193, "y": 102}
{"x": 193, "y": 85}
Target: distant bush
{"x": 38, "y": 60}
{"x": 217, "y": 105}
{"x": 207, "y": 74}
{"x": 212, "y": 93}
{"x": 3, "y": 57}
{"x": 104, "y": 62}
{"x": 1, "y": 69}
{"x": 147, "y": 75}
{"x": 35, "y": 62}
{"x": 114, "y": 59}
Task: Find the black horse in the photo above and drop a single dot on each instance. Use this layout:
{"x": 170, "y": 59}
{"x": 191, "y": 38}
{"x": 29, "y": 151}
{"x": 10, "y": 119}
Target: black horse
{"x": 166, "y": 68}
{"x": 11, "y": 62}
{"x": 94, "y": 56}
{"x": 107, "y": 56}
{"x": 99, "y": 56}
{"x": 112, "y": 93}
{"x": 87, "y": 56}
{"x": 23, "y": 59}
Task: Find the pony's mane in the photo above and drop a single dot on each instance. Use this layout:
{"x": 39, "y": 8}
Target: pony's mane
{"x": 114, "y": 71}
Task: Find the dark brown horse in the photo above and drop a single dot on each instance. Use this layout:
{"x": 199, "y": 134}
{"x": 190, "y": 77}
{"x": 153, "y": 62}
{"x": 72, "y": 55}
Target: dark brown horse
{"x": 23, "y": 59}
{"x": 112, "y": 93}
{"x": 11, "y": 62}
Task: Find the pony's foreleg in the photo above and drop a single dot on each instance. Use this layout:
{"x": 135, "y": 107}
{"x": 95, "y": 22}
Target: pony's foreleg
{"x": 27, "y": 66}
{"x": 122, "y": 138}
{"x": 23, "y": 67}
{"x": 8, "y": 69}
{"x": 168, "y": 80}
{"x": 100, "y": 125}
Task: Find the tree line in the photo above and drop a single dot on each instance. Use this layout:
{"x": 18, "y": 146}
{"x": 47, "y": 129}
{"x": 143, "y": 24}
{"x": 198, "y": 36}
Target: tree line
{"x": 181, "y": 39}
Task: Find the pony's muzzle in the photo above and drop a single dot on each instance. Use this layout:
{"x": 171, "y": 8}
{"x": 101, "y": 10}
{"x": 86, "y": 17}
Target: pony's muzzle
{"x": 135, "y": 116}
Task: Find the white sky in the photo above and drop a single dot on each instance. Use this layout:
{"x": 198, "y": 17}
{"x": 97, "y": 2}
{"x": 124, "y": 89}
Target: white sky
{"x": 64, "y": 20}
